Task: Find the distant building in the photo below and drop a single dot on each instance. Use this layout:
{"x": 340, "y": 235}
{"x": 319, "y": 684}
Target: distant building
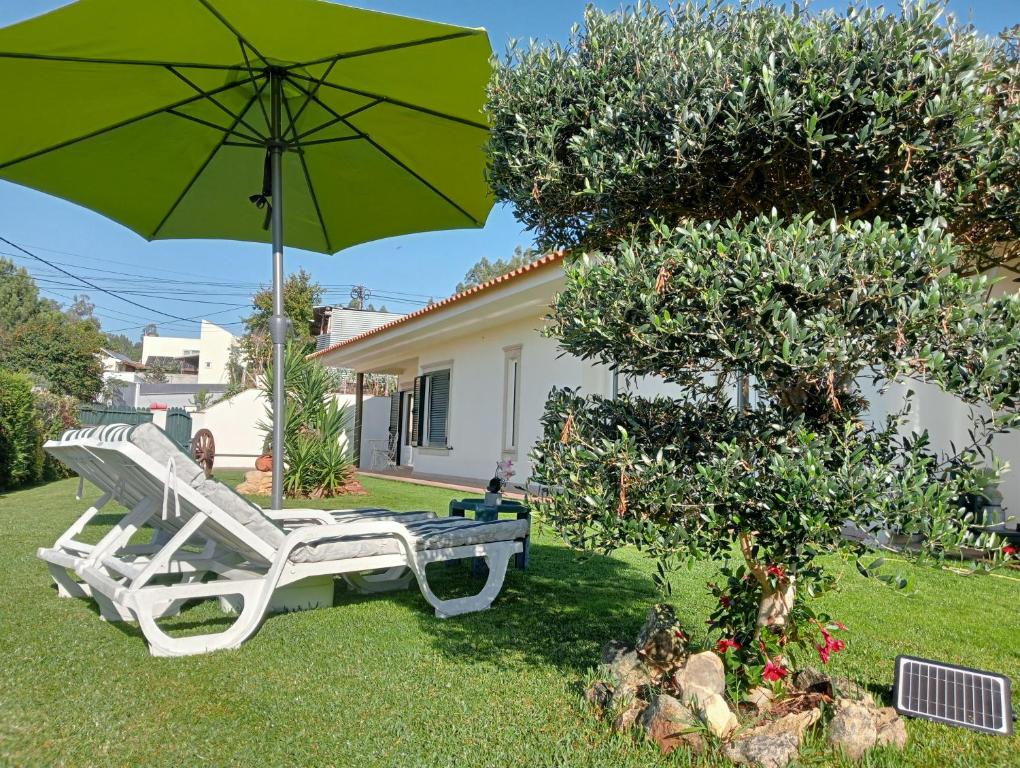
{"x": 118, "y": 366}
{"x": 331, "y": 325}
{"x": 205, "y": 360}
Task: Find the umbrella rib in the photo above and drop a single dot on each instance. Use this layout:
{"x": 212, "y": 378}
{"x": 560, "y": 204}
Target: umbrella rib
{"x": 385, "y": 152}
{"x": 115, "y": 126}
{"x": 398, "y": 103}
{"x": 201, "y": 168}
{"x": 335, "y": 120}
{"x": 308, "y": 99}
{"x": 222, "y": 19}
{"x": 118, "y": 62}
{"x": 387, "y": 48}
{"x": 308, "y": 180}
{"x": 251, "y": 76}
{"x": 214, "y": 126}
{"x": 199, "y": 90}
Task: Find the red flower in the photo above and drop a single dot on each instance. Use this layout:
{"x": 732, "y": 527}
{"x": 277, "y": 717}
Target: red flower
{"x": 1009, "y": 550}
{"x": 823, "y": 653}
{"x": 839, "y": 625}
{"x": 777, "y": 571}
{"x": 725, "y": 600}
{"x": 725, "y": 645}
{"x": 774, "y": 672}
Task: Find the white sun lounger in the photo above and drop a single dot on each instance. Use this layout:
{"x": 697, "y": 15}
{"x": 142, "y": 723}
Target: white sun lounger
{"x": 118, "y": 483}
{"x": 258, "y": 565}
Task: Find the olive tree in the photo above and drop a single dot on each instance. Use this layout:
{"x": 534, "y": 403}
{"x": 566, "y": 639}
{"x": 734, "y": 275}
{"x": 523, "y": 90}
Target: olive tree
{"x": 800, "y": 199}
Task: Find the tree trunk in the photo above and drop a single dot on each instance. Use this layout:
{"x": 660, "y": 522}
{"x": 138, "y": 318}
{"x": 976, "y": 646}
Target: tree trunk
{"x": 775, "y": 606}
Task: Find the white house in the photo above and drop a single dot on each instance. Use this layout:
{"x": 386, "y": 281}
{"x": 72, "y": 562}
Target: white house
{"x": 480, "y": 365}
{"x": 205, "y": 360}
{"x": 331, "y": 325}
{"x": 118, "y": 366}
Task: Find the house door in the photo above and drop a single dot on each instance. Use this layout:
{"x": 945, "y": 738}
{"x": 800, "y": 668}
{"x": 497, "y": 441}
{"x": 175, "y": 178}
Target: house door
{"x": 404, "y": 437}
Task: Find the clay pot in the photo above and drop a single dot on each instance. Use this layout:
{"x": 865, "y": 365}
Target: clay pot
{"x": 264, "y": 463}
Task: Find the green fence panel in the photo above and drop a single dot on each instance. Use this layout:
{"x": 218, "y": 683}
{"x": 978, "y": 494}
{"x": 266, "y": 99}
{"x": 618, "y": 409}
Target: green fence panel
{"x": 178, "y": 427}
{"x": 99, "y": 415}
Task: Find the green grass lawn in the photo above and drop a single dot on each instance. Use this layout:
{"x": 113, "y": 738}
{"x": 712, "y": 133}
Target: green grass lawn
{"x": 378, "y": 681}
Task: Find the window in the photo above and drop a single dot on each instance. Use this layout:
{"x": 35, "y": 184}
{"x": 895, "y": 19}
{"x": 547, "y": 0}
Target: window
{"x": 431, "y": 409}
{"x": 511, "y": 399}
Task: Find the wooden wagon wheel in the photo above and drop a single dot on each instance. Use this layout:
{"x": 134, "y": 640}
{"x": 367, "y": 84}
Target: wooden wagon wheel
{"x": 203, "y": 450}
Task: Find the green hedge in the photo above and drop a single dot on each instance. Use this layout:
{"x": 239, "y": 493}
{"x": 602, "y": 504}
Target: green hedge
{"x": 21, "y": 432}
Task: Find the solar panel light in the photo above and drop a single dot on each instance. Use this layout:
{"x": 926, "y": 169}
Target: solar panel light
{"x": 946, "y": 693}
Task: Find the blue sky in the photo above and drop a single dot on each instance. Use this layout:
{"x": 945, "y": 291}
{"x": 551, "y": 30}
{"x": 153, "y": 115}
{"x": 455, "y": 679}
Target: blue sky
{"x": 402, "y": 272}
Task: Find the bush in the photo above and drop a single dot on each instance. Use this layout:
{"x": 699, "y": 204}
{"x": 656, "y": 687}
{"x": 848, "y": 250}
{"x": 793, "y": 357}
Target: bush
{"x": 317, "y": 462}
{"x": 21, "y": 432}
{"x": 57, "y": 414}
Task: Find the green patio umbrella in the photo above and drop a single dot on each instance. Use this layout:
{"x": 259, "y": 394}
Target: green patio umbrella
{"x": 189, "y": 118}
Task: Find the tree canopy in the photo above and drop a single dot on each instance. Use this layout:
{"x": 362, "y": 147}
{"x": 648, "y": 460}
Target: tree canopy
{"x": 483, "y": 270}
{"x": 19, "y": 296}
{"x": 802, "y": 199}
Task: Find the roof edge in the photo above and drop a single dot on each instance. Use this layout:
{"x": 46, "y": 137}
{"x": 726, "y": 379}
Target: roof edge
{"x": 550, "y": 258}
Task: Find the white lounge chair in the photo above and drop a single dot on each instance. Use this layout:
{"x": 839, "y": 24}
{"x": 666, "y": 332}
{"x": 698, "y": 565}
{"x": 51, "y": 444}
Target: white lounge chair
{"x": 257, "y": 564}
{"x": 118, "y": 483}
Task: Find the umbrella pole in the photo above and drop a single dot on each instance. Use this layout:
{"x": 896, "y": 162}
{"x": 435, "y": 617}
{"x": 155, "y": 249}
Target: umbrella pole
{"x": 278, "y": 322}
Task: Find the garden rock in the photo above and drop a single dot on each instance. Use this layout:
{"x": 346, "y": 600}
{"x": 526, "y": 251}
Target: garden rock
{"x": 627, "y": 673}
{"x": 774, "y": 744}
{"x": 813, "y": 680}
{"x": 669, "y": 724}
{"x": 600, "y": 695}
{"x": 704, "y": 670}
{"x": 629, "y": 715}
{"x": 857, "y": 727}
{"x": 761, "y": 698}
{"x": 661, "y": 641}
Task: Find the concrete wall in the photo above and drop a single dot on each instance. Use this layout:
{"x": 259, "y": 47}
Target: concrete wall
{"x": 234, "y": 425}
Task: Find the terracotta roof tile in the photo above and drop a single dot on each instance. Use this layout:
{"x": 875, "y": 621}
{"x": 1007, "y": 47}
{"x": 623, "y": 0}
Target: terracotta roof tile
{"x": 549, "y": 258}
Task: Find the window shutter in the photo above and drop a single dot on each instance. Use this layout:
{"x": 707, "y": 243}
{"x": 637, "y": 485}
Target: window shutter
{"x": 394, "y": 417}
{"x": 417, "y": 411}
{"x": 439, "y": 407}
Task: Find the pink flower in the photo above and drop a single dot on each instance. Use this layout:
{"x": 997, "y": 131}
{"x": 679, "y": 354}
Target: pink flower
{"x": 823, "y": 653}
{"x": 725, "y": 645}
{"x": 1009, "y": 550}
{"x": 840, "y": 625}
{"x": 774, "y": 672}
{"x": 777, "y": 571}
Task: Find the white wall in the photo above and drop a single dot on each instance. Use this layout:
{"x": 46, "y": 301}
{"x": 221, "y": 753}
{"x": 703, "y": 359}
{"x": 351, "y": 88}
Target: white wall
{"x": 214, "y": 354}
{"x": 475, "y": 430}
{"x": 234, "y": 425}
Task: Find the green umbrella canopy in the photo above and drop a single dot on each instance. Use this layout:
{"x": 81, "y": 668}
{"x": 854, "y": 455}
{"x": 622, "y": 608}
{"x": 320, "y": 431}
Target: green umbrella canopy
{"x": 158, "y": 115}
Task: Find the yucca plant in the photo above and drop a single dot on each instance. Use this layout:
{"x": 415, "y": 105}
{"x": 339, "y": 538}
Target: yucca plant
{"x": 317, "y": 462}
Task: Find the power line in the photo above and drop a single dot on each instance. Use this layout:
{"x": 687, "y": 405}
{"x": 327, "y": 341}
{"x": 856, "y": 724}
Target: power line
{"x": 86, "y": 282}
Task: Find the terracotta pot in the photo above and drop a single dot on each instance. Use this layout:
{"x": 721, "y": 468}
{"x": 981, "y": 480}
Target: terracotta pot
{"x": 264, "y": 463}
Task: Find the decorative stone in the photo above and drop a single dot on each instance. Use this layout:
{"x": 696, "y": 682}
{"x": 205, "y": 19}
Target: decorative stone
{"x": 670, "y": 724}
{"x": 716, "y": 713}
{"x": 704, "y": 670}
{"x": 852, "y": 728}
{"x": 661, "y": 641}
{"x": 256, "y": 483}
{"x": 890, "y": 729}
{"x": 612, "y": 649}
{"x": 627, "y": 673}
{"x": 629, "y": 715}
{"x": 774, "y": 744}
{"x": 761, "y": 698}
{"x": 765, "y": 749}
{"x": 813, "y": 680}
{"x": 600, "y": 695}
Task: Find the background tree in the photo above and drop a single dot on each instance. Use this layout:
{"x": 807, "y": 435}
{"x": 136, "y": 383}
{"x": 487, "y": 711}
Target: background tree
{"x": 156, "y": 372}
{"x": 19, "y": 297}
{"x": 82, "y": 310}
{"x": 484, "y": 270}
{"x": 150, "y": 330}
{"x": 65, "y": 352}
{"x": 21, "y": 432}
{"x": 300, "y": 296}
{"x": 794, "y": 197}
{"x": 118, "y": 342}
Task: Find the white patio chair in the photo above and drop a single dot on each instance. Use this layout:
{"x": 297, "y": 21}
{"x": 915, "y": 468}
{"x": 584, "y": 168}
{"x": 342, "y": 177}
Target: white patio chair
{"x": 258, "y": 566}
{"x": 119, "y": 484}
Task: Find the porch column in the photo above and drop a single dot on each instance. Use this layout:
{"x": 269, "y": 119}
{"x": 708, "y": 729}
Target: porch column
{"x": 359, "y": 407}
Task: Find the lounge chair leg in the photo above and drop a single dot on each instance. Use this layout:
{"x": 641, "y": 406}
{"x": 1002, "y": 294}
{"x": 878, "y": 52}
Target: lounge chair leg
{"x": 497, "y": 555}
{"x": 162, "y": 644}
{"x": 66, "y": 585}
{"x": 390, "y": 580}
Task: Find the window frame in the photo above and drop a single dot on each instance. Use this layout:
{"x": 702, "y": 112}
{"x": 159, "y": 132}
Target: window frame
{"x": 511, "y": 430}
